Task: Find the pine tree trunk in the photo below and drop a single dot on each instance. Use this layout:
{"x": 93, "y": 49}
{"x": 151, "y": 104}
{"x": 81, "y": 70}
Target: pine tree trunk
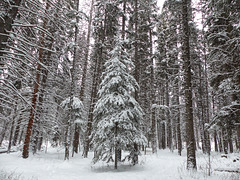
{"x": 220, "y": 143}
{"x": 163, "y": 135}
{"x": 96, "y": 75}
{"x": 225, "y": 141}
{"x": 16, "y": 133}
{"x": 191, "y": 156}
{"x": 67, "y": 138}
{"x": 84, "y": 74}
{"x": 159, "y": 134}
{"x": 136, "y": 71}
{"x": 40, "y": 141}
{"x": 46, "y": 62}
{"x": 179, "y": 138}
{"x": 238, "y": 137}
{"x": 215, "y": 141}
{"x": 25, "y": 153}
{"x": 229, "y": 137}
{"x": 169, "y": 126}
{"x": 153, "y": 111}
{"x": 136, "y": 59}
{"x": 10, "y": 138}
{"x": 21, "y": 136}
{"x": 3, "y": 133}
{"x": 76, "y": 127}
{"x": 116, "y": 147}
{"x": 207, "y": 135}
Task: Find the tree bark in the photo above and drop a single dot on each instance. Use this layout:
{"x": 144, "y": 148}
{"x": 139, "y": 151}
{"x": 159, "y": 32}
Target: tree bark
{"x": 191, "y": 156}
{"x": 136, "y": 71}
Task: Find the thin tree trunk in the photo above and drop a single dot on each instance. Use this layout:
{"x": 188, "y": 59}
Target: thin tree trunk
{"x": 136, "y": 71}
{"x": 136, "y": 60}
{"x": 83, "y": 85}
{"x": 116, "y": 147}
{"x": 238, "y": 137}
{"x": 153, "y": 111}
{"x": 207, "y": 135}
{"x": 93, "y": 101}
{"x": 10, "y": 138}
{"x": 46, "y": 61}
{"x": 163, "y": 135}
{"x": 76, "y": 127}
{"x": 220, "y": 142}
{"x": 159, "y": 134}
{"x": 179, "y": 138}
{"x": 21, "y": 136}
{"x": 191, "y": 156}
{"x": 229, "y": 139}
{"x": 225, "y": 141}
{"x": 169, "y": 126}
{"x": 215, "y": 141}
{"x": 25, "y": 153}
{"x": 16, "y": 133}
{"x": 3, "y": 133}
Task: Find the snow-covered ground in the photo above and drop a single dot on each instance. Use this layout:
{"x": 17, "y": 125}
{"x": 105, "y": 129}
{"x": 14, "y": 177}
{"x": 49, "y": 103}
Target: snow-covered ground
{"x": 165, "y": 165}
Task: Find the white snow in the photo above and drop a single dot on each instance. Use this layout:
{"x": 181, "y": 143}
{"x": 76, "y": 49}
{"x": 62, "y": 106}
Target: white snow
{"x": 165, "y": 165}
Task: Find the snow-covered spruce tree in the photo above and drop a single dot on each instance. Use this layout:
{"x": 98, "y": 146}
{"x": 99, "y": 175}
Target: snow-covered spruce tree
{"x": 117, "y": 115}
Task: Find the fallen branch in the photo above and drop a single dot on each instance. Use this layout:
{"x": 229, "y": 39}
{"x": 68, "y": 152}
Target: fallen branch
{"x": 231, "y": 170}
{"x": 5, "y": 151}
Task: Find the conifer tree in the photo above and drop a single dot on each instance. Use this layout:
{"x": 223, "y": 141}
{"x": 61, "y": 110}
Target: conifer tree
{"x": 117, "y": 115}
{"x": 191, "y": 156}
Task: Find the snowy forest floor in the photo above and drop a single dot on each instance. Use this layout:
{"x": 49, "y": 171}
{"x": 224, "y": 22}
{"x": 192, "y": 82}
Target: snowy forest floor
{"x": 165, "y": 165}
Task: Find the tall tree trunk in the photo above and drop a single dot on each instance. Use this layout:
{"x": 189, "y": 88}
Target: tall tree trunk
{"x": 207, "y": 135}
{"x": 46, "y": 62}
{"x": 179, "y": 138}
{"x": 169, "y": 126}
{"x": 96, "y": 76}
{"x": 153, "y": 110}
{"x": 25, "y": 153}
{"x": 83, "y": 85}
{"x": 191, "y": 156}
{"x": 76, "y": 127}
{"x": 136, "y": 71}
